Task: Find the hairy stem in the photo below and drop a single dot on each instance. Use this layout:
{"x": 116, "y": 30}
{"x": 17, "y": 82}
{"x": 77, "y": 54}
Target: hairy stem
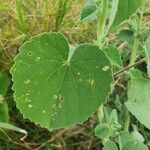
{"x": 137, "y": 24}
{"x": 127, "y": 120}
{"x": 134, "y": 51}
{"x": 102, "y": 19}
{"x": 128, "y": 67}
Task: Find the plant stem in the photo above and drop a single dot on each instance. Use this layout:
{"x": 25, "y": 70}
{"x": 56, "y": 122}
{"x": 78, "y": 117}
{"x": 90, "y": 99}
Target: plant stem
{"x": 102, "y": 20}
{"x": 127, "y": 120}
{"x": 101, "y": 113}
{"x": 128, "y": 67}
{"x": 134, "y": 51}
{"x": 137, "y": 25}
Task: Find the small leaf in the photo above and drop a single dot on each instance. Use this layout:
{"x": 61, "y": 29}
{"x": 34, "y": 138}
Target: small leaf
{"x": 124, "y": 137}
{"x": 139, "y": 103}
{"x": 113, "y": 56}
{"x": 102, "y": 131}
{"x": 12, "y": 127}
{"x": 110, "y": 145}
{"x": 113, "y": 120}
{"x": 135, "y": 73}
{"x": 136, "y": 135}
{"x": 126, "y": 8}
{"x": 126, "y": 35}
{"x": 56, "y": 90}
{"x": 147, "y": 51}
{"x": 89, "y": 12}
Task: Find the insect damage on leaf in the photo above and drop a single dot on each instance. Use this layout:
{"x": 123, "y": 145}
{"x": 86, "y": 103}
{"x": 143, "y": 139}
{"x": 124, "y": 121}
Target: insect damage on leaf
{"x": 55, "y": 90}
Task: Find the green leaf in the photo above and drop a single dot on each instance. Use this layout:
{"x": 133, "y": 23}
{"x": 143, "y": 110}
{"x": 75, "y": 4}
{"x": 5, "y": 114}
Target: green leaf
{"x": 113, "y": 120}
{"x": 4, "y": 116}
{"x": 89, "y": 12}
{"x": 90, "y": 2}
{"x": 124, "y": 137}
{"x": 12, "y": 127}
{"x": 114, "y": 8}
{"x": 110, "y": 145}
{"x": 147, "y": 51}
{"x": 128, "y": 142}
{"x": 126, "y": 8}
{"x": 126, "y": 35}
{"x": 136, "y": 135}
{"x": 113, "y": 56}
{"x": 55, "y": 90}
{"x": 4, "y": 83}
{"x": 135, "y": 73}
{"x": 139, "y": 103}
{"x": 102, "y": 131}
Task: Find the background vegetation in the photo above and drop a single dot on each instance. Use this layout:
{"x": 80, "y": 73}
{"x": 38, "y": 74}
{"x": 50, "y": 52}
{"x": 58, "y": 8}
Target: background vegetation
{"x": 21, "y": 20}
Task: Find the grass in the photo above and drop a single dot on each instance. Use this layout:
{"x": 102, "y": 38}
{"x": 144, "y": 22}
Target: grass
{"x": 20, "y": 20}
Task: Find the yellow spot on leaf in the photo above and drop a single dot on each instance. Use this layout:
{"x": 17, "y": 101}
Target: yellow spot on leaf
{"x": 91, "y": 81}
{"x": 106, "y": 68}
{"x": 30, "y": 106}
{"x": 27, "y": 81}
{"x": 80, "y": 80}
{"x": 43, "y": 111}
{"x": 1, "y": 99}
{"x": 38, "y": 59}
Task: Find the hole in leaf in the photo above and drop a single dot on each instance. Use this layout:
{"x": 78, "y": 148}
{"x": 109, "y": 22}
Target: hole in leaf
{"x": 30, "y": 53}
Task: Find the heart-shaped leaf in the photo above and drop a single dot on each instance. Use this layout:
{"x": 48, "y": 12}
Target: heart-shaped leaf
{"x": 56, "y": 90}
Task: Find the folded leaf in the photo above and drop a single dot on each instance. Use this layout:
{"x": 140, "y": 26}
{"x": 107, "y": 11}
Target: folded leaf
{"x": 114, "y": 8}
{"x": 12, "y": 127}
{"x": 113, "y": 56}
{"x": 89, "y": 12}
